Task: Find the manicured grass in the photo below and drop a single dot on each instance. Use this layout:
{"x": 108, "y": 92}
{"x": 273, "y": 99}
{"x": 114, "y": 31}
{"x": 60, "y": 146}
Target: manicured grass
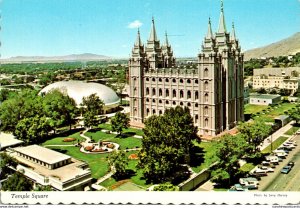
{"x": 97, "y": 162}
{"x": 129, "y": 142}
{"x": 275, "y": 144}
{"x": 269, "y": 115}
{"x": 59, "y": 140}
{"x": 136, "y": 178}
{"x": 247, "y": 167}
{"x": 282, "y": 108}
{"x": 251, "y": 109}
{"x": 209, "y": 149}
{"x": 292, "y": 130}
{"x": 128, "y": 131}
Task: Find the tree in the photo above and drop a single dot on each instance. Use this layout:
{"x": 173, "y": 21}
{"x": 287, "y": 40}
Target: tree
{"x": 91, "y": 106}
{"x": 90, "y": 119}
{"x": 166, "y": 144}
{"x": 4, "y": 94}
{"x": 23, "y": 105}
{"x": 294, "y": 113}
{"x": 119, "y": 161}
{"x": 254, "y": 133}
{"x": 229, "y": 149}
{"x": 17, "y": 182}
{"x": 119, "y": 122}
{"x": 6, "y": 163}
{"x": 32, "y": 129}
{"x": 59, "y": 108}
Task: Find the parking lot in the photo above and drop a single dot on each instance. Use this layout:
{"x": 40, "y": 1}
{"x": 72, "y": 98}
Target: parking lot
{"x": 278, "y": 181}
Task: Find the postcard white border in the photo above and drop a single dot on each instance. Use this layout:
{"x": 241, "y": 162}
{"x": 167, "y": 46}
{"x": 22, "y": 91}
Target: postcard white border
{"x": 132, "y": 197}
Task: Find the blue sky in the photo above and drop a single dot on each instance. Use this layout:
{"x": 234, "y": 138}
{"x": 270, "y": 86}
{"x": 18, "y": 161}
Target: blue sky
{"x": 61, "y": 27}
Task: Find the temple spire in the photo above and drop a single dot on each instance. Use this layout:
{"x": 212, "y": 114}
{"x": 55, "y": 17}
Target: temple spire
{"x": 232, "y": 35}
{"x": 209, "y": 34}
{"x": 222, "y": 26}
{"x": 167, "y": 41}
{"x": 153, "y": 36}
{"x": 138, "y": 41}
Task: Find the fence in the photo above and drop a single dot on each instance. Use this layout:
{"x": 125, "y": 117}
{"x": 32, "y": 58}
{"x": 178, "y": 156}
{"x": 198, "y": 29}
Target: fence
{"x": 196, "y": 180}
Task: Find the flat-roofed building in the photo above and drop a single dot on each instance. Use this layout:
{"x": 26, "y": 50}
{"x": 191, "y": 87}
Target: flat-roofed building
{"x": 48, "y": 167}
{"x": 263, "y": 99}
{"x": 8, "y": 140}
{"x": 280, "y": 78}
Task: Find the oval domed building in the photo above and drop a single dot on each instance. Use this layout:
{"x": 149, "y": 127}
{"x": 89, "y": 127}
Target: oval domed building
{"x": 79, "y": 89}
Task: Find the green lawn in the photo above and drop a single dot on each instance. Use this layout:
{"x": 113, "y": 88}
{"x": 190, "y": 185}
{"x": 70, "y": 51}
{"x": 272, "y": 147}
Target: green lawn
{"x": 208, "y": 155}
{"x": 97, "y": 162}
{"x": 251, "y": 109}
{"x": 128, "y": 131}
{"x": 136, "y": 178}
{"x": 247, "y": 167}
{"x": 292, "y": 130}
{"x": 129, "y": 142}
{"x": 269, "y": 116}
{"x": 59, "y": 140}
{"x": 275, "y": 144}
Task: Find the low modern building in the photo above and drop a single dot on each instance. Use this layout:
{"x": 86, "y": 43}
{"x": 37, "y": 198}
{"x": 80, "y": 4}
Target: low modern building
{"x": 280, "y": 78}
{"x": 48, "y": 167}
{"x": 264, "y": 99}
{"x": 8, "y": 140}
{"x": 79, "y": 89}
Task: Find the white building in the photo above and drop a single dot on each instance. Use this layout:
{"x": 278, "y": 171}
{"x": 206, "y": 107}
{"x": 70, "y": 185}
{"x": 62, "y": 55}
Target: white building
{"x": 48, "y": 167}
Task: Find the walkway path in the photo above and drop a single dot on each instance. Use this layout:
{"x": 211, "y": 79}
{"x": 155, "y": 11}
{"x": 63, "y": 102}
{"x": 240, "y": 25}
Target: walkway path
{"x": 280, "y": 132}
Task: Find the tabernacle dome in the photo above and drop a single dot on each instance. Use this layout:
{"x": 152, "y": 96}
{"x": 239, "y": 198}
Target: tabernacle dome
{"x": 79, "y": 89}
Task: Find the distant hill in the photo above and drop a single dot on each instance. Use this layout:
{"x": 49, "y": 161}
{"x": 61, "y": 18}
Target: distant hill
{"x": 288, "y": 46}
{"x": 72, "y": 57}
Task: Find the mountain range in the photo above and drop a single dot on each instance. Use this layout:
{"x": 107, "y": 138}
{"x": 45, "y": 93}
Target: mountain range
{"x": 285, "y": 47}
{"x": 72, "y": 57}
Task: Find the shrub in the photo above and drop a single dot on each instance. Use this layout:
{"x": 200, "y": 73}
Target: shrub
{"x": 133, "y": 157}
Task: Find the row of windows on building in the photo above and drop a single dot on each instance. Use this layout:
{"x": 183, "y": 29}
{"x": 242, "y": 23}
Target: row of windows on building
{"x": 196, "y": 117}
{"x": 174, "y": 102}
{"x": 174, "y": 93}
{"x": 181, "y": 95}
{"x": 180, "y": 80}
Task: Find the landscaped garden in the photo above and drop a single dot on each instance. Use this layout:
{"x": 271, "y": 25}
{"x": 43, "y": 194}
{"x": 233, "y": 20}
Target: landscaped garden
{"x": 125, "y": 143}
{"x": 64, "y": 140}
{"x": 268, "y": 113}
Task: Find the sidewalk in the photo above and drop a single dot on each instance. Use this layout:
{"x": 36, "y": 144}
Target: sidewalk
{"x": 280, "y": 132}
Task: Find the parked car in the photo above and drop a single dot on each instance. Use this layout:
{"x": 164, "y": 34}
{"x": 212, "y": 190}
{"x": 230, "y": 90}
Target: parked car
{"x": 273, "y": 159}
{"x": 269, "y": 164}
{"x": 291, "y": 164}
{"x": 289, "y": 145}
{"x": 286, "y": 169}
{"x": 237, "y": 187}
{"x": 249, "y": 183}
{"x": 268, "y": 169}
{"x": 287, "y": 149}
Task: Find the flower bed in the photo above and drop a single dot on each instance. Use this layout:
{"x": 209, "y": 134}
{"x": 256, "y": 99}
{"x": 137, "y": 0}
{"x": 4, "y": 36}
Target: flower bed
{"x": 69, "y": 139}
{"x": 111, "y": 146}
{"x": 99, "y": 150}
{"x": 89, "y": 148}
{"x": 133, "y": 157}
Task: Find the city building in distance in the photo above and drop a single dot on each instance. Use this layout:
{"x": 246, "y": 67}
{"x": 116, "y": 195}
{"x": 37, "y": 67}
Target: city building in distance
{"x": 213, "y": 91}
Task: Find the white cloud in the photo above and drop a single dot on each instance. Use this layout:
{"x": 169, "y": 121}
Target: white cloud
{"x": 135, "y": 24}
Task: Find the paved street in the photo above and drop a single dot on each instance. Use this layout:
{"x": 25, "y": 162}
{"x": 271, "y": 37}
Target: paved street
{"x": 284, "y": 182}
